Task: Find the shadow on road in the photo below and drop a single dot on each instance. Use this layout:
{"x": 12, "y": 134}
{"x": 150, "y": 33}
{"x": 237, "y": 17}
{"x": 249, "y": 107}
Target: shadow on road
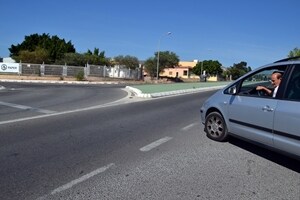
{"x": 283, "y": 160}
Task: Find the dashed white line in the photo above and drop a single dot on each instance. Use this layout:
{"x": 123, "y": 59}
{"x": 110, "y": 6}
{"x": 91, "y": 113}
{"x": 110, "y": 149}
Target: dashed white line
{"x": 188, "y": 127}
{"x": 81, "y": 179}
{"x": 76, "y": 181}
{"x": 155, "y": 144}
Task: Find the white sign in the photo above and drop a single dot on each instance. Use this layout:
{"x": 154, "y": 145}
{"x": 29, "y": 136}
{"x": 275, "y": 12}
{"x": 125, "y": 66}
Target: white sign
{"x": 9, "y": 67}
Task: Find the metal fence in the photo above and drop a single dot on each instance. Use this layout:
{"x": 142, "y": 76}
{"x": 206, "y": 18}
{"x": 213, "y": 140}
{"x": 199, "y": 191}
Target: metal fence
{"x": 117, "y": 71}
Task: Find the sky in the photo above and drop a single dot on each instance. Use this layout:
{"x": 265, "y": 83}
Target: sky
{"x": 231, "y": 31}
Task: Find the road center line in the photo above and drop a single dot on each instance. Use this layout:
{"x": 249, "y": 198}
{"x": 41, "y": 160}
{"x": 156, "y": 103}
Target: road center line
{"x": 81, "y": 179}
{"x": 155, "y": 144}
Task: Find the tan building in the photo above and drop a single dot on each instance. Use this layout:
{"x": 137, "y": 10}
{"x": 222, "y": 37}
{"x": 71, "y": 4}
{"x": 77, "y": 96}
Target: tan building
{"x": 183, "y": 70}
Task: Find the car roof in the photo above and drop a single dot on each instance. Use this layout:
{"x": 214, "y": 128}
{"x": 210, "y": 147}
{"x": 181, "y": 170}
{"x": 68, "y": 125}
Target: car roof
{"x": 297, "y": 58}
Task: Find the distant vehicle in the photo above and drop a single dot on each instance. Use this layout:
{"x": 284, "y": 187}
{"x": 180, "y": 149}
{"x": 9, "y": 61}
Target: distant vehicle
{"x": 241, "y": 110}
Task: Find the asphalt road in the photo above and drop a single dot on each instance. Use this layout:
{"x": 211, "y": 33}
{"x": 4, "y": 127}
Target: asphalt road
{"x": 129, "y": 149}
{"x": 19, "y": 100}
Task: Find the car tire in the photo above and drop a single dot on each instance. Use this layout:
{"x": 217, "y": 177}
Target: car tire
{"x": 215, "y": 127}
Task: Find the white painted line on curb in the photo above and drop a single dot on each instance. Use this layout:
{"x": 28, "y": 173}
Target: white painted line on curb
{"x": 26, "y": 107}
{"x": 155, "y": 144}
{"x": 81, "y": 179}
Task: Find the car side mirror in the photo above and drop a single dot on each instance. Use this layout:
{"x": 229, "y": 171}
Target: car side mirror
{"x": 232, "y": 90}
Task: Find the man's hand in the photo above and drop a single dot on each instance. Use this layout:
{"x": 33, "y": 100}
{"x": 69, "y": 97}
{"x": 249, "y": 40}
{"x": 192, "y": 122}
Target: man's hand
{"x": 268, "y": 91}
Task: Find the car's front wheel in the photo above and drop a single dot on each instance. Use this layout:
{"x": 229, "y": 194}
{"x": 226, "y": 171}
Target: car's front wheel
{"x": 215, "y": 127}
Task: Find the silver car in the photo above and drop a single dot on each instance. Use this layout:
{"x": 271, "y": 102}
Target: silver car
{"x": 241, "y": 110}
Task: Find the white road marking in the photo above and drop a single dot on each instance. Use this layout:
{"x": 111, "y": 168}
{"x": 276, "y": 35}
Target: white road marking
{"x": 26, "y": 107}
{"x": 81, "y": 179}
{"x": 66, "y": 112}
{"x": 188, "y": 127}
{"x": 76, "y": 181}
{"x": 155, "y": 144}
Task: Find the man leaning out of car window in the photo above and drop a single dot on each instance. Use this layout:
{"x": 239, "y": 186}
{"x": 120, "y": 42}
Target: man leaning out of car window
{"x": 275, "y": 80}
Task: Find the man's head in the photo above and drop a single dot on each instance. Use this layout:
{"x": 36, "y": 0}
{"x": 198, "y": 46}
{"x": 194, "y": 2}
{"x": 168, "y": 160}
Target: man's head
{"x": 276, "y": 78}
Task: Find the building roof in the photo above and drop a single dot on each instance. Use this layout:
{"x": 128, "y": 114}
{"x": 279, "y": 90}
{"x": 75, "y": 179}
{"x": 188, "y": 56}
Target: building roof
{"x": 188, "y": 63}
{"x": 8, "y": 60}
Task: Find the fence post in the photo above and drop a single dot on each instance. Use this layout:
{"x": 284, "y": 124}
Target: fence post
{"x": 129, "y": 73}
{"x": 42, "y": 69}
{"x": 84, "y": 71}
{"x": 88, "y": 69}
{"x": 140, "y": 72}
{"x": 65, "y": 70}
{"x": 20, "y": 68}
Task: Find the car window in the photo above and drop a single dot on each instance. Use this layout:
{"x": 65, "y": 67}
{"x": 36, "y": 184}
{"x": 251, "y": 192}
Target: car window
{"x": 249, "y": 85}
{"x": 293, "y": 88}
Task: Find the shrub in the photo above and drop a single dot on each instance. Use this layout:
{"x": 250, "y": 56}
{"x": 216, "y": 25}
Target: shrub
{"x": 80, "y": 76}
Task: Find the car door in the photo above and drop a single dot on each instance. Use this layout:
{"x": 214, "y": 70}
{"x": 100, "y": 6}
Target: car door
{"x": 251, "y": 113}
{"x": 252, "y": 118}
{"x": 287, "y": 117}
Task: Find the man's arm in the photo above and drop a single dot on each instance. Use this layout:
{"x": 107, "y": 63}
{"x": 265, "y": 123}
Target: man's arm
{"x": 268, "y": 91}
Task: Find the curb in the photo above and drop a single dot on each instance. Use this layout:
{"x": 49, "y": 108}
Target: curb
{"x": 139, "y": 93}
{"x": 136, "y": 91}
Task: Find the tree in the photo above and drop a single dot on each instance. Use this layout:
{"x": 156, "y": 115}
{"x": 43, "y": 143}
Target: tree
{"x": 38, "y": 56}
{"x": 238, "y": 70}
{"x": 76, "y": 59}
{"x": 167, "y": 59}
{"x": 73, "y": 59}
{"x": 150, "y": 67}
{"x": 295, "y": 52}
{"x": 96, "y": 53}
{"x": 211, "y": 67}
{"x": 96, "y": 58}
{"x": 35, "y": 44}
{"x": 130, "y": 62}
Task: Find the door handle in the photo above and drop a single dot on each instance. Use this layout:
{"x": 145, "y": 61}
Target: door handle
{"x": 267, "y": 109}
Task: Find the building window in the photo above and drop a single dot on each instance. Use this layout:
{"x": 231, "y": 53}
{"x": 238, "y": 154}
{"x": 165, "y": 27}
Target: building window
{"x": 185, "y": 72}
